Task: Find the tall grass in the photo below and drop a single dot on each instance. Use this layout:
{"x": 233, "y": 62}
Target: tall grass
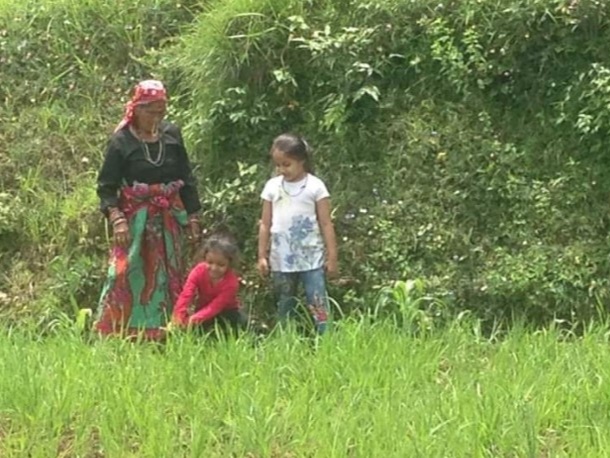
{"x": 364, "y": 390}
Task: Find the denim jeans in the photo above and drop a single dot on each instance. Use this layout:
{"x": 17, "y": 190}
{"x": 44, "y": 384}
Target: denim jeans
{"x": 285, "y": 285}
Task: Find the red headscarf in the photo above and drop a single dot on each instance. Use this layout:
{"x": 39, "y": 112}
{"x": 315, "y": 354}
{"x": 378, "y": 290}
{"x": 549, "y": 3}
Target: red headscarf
{"x": 145, "y": 92}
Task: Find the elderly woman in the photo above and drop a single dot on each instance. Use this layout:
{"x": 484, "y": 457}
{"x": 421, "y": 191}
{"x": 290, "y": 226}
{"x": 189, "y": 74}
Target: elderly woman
{"x": 148, "y": 193}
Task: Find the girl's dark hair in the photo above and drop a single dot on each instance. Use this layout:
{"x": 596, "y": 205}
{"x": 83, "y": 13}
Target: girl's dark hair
{"x": 295, "y": 147}
{"x": 225, "y": 243}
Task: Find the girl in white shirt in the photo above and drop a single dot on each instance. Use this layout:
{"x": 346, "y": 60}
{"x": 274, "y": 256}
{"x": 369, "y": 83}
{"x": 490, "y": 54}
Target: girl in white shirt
{"x": 297, "y": 242}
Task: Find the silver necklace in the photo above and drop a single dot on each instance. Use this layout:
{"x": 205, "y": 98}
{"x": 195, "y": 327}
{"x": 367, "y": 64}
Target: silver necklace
{"x": 160, "y": 157}
{"x": 300, "y": 190}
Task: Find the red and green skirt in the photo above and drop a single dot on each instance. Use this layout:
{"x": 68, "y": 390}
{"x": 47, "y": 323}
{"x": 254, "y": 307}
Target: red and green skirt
{"x": 145, "y": 279}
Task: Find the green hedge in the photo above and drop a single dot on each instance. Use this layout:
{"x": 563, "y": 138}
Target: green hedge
{"x": 463, "y": 142}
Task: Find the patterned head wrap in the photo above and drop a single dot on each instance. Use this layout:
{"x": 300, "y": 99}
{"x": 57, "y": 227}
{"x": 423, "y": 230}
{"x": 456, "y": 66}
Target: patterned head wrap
{"x": 145, "y": 92}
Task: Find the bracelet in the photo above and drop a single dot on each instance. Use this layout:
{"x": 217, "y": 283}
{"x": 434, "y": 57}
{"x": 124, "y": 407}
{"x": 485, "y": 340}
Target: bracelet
{"x": 193, "y": 219}
{"x": 114, "y": 215}
{"x": 119, "y": 220}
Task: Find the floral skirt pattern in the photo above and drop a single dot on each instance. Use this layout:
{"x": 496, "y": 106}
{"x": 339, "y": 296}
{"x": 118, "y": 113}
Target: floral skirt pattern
{"x": 144, "y": 280}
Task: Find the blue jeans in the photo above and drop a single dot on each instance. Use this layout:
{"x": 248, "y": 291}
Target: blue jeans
{"x": 285, "y": 285}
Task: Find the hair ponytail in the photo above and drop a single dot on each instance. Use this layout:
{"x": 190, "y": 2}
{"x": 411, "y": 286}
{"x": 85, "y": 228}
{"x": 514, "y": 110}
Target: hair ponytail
{"x": 308, "y": 162}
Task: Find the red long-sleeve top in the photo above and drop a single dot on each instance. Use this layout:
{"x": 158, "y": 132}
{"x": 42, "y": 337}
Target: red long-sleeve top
{"x": 212, "y": 298}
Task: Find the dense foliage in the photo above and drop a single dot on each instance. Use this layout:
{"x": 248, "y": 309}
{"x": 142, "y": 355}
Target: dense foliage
{"x": 463, "y": 142}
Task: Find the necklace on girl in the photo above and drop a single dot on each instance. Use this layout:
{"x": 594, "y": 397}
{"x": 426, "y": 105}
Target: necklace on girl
{"x": 300, "y": 188}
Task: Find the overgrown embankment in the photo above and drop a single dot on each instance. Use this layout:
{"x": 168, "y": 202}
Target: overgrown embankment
{"x": 464, "y": 143}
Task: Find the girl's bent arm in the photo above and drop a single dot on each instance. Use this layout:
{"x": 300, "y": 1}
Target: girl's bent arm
{"x": 187, "y": 294}
{"x": 328, "y": 232}
{"x": 226, "y": 298}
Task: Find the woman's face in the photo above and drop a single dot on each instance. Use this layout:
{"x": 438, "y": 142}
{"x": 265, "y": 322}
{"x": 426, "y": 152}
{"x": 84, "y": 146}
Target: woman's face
{"x": 148, "y": 116}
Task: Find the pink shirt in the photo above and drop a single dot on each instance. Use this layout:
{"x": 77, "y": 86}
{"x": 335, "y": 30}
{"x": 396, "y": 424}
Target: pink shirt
{"x": 212, "y": 298}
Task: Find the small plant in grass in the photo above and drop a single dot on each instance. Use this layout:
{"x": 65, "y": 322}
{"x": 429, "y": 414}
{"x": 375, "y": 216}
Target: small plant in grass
{"x": 407, "y": 303}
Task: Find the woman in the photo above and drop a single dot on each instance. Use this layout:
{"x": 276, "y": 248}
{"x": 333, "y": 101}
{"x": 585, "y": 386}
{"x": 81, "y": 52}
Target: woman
{"x": 148, "y": 193}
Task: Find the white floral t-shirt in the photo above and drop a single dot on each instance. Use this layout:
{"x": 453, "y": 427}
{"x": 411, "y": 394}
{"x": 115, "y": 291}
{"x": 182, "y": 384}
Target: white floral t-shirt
{"x": 296, "y": 240}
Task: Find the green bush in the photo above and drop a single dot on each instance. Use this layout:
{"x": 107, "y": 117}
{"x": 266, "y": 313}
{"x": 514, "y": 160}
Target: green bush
{"x": 463, "y": 142}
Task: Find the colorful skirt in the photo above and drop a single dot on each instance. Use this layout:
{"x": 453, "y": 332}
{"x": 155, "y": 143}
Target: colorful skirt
{"x": 144, "y": 280}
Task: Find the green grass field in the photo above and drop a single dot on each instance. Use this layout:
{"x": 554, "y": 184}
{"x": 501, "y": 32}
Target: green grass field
{"x": 365, "y": 390}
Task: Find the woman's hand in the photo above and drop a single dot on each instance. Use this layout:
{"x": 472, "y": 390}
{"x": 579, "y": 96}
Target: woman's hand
{"x": 193, "y": 233}
{"x": 120, "y": 229}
